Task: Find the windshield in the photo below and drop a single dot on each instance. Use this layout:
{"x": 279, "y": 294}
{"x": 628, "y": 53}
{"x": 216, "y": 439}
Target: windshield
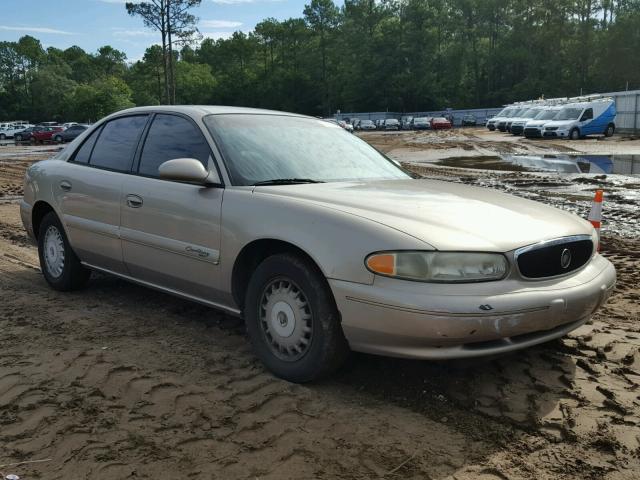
{"x": 258, "y": 148}
{"x": 547, "y": 114}
{"x": 531, "y": 113}
{"x": 569, "y": 113}
{"x": 420, "y": 120}
{"x": 366, "y": 122}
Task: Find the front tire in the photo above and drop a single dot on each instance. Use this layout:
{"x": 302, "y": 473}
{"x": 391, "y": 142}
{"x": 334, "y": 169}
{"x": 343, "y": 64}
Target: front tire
{"x": 18, "y": 138}
{"x": 574, "y": 134}
{"x": 610, "y": 130}
{"x": 292, "y": 319}
{"x": 59, "y": 264}
{"x": 2, "y": 136}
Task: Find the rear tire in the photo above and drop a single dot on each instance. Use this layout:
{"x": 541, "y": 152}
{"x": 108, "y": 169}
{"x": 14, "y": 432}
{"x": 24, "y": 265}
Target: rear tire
{"x": 292, "y": 319}
{"x": 610, "y": 130}
{"x": 60, "y": 266}
{"x": 574, "y": 134}
{"x": 2, "y": 136}
{"x": 18, "y": 138}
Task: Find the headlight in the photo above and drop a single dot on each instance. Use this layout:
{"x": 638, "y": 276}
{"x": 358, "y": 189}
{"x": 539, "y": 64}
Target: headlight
{"x": 439, "y": 267}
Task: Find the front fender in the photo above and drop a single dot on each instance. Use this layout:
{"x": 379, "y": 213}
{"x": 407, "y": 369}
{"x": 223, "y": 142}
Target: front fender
{"x": 337, "y": 241}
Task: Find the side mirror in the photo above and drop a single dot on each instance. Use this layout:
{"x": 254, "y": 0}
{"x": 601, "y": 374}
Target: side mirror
{"x": 188, "y": 170}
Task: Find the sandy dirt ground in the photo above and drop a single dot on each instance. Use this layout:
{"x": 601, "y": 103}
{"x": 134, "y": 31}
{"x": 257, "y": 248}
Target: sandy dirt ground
{"x": 119, "y": 381}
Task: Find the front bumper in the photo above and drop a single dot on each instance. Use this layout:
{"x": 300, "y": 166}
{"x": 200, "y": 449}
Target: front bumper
{"x": 533, "y": 132}
{"x": 517, "y": 129}
{"x": 437, "y": 321}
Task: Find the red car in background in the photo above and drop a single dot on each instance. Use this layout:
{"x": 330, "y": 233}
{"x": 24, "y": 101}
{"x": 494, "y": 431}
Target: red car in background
{"x": 440, "y": 123}
{"x": 41, "y": 134}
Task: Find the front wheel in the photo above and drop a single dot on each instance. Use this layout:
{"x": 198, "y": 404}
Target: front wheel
{"x": 292, "y": 319}
{"x": 610, "y": 130}
{"x": 18, "y": 138}
{"x": 574, "y": 134}
{"x": 2, "y": 136}
{"x": 60, "y": 266}
{"x": 57, "y": 139}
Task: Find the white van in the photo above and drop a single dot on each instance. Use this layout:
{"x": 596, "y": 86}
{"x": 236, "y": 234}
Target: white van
{"x": 579, "y": 119}
{"x": 516, "y": 125}
{"x": 533, "y": 127}
{"x": 492, "y": 123}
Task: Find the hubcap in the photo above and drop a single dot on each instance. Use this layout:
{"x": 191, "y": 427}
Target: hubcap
{"x": 53, "y": 251}
{"x": 285, "y": 319}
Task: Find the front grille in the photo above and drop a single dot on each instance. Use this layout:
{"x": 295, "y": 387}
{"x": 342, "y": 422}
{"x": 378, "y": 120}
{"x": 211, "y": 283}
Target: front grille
{"x": 532, "y": 132}
{"x": 550, "y": 134}
{"x": 546, "y": 260}
{"x": 516, "y": 129}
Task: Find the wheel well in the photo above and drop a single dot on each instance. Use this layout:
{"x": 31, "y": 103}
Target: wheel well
{"x": 40, "y": 209}
{"x": 251, "y": 256}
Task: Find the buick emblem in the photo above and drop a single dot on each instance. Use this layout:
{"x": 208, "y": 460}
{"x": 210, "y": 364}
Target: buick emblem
{"x": 565, "y": 258}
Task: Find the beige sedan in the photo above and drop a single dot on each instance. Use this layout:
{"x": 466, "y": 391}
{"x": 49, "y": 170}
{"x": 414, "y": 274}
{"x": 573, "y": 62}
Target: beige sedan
{"x": 320, "y": 242}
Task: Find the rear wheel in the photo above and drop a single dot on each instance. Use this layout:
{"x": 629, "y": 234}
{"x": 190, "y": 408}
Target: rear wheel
{"x": 610, "y": 130}
{"x": 18, "y": 138}
{"x": 574, "y": 134}
{"x": 2, "y": 136}
{"x": 292, "y": 319}
{"x": 57, "y": 139}
{"x": 60, "y": 266}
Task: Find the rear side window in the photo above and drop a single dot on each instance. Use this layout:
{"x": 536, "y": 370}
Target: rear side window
{"x": 172, "y": 137}
{"x": 82, "y": 155}
{"x": 117, "y": 143}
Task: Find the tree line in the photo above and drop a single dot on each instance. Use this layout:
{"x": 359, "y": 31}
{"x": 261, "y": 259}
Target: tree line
{"x": 367, "y": 55}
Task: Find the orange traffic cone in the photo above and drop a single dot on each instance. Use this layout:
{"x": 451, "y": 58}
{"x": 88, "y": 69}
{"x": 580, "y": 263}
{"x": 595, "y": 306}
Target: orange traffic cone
{"x": 595, "y": 215}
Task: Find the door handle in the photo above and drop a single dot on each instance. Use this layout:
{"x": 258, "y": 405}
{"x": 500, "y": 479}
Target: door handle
{"x": 65, "y": 185}
{"x": 134, "y": 201}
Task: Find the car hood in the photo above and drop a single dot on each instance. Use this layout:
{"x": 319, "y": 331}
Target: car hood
{"x": 445, "y": 215}
{"x": 560, "y": 123}
{"x": 536, "y": 123}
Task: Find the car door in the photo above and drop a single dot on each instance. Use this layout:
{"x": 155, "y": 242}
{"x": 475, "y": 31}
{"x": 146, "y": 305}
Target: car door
{"x": 88, "y": 189}
{"x": 586, "y": 120}
{"x": 170, "y": 230}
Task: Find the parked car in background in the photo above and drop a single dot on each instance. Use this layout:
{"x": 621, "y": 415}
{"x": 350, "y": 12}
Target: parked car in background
{"x": 24, "y": 135}
{"x": 379, "y": 124}
{"x": 44, "y": 134}
{"x": 440, "y": 123}
{"x": 69, "y": 133}
{"x": 69, "y": 124}
{"x": 367, "y": 125}
{"x": 516, "y": 125}
{"x": 469, "y": 121}
{"x": 425, "y": 269}
{"x": 492, "y": 123}
{"x": 577, "y": 120}
{"x": 406, "y": 122}
{"x": 11, "y": 130}
{"x": 533, "y": 128}
{"x": 391, "y": 124}
{"x": 422, "y": 123}
{"x": 346, "y": 125}
{"x": 356, "y": 123}
{"x": 48, "y": 124}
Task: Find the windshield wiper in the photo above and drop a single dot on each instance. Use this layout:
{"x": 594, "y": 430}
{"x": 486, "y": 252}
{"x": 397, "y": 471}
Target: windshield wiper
{"x": 286, "y": 181}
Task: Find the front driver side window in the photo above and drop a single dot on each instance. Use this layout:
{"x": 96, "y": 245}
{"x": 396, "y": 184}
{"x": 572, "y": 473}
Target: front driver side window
{"x": 171, "y": 137}
{"x": 587, "y": 115}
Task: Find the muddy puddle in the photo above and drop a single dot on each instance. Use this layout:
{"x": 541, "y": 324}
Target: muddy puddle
{"x": 561, "y": 180}
{"x": 555, "y": 163}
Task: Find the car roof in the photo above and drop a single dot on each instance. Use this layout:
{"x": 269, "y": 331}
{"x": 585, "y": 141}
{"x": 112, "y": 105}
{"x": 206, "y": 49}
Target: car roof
{"x": 201, "y": 110}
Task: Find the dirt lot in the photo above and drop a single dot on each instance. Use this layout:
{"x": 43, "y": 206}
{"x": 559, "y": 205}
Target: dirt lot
{"x": 119, "y": 381}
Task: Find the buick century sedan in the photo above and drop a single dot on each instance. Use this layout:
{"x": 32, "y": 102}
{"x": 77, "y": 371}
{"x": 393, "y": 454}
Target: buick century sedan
{"x": 321, "y": 243}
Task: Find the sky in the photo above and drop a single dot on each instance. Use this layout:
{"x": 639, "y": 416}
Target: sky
{"x": 91, "y": 24}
